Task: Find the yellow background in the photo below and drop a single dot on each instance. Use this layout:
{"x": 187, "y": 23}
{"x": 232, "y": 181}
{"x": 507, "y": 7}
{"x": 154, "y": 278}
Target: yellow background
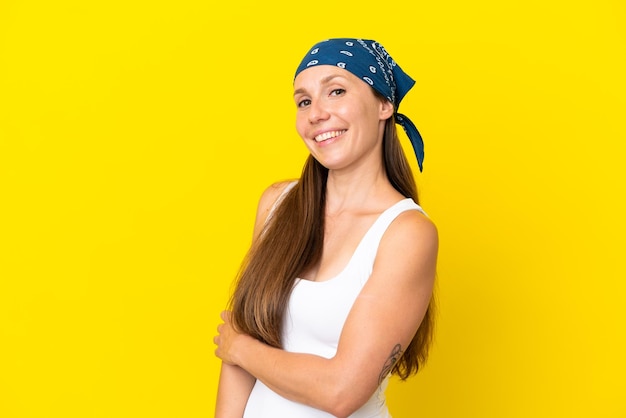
{"x": 136, "y": 138}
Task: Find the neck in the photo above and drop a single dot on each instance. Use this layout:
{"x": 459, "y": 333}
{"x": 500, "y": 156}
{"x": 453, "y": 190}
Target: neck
{"x": 356, "y": 191}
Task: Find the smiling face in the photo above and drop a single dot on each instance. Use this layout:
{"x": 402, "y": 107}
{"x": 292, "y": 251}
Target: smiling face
{"x": 339, "y": 118}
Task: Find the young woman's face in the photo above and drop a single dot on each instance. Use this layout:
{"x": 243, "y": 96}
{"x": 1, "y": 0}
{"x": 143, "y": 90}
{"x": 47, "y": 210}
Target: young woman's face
{"x": 339, "y": 118}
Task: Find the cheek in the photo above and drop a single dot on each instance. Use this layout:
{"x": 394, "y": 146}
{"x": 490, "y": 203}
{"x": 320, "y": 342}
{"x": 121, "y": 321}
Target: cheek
{"x": 301, "y": 124}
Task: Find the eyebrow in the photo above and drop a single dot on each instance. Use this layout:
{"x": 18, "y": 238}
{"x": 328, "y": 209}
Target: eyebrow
{"x": 324, "y": 80}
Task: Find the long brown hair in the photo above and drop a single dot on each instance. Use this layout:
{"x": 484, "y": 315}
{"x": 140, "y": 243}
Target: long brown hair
{"x": 267, "y": 275}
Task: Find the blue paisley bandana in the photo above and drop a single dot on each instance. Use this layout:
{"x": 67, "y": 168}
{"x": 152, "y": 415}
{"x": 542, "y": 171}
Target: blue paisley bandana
{"x": 369, "y": 61}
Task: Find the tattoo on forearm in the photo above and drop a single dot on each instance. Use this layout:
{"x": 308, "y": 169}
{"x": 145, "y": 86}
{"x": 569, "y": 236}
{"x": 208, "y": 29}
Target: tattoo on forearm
{"x": 393, "y": 358}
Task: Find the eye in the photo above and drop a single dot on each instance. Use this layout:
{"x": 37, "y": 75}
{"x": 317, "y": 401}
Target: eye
{"x": 337, "y": 92}
{"x": 303, "y": 102}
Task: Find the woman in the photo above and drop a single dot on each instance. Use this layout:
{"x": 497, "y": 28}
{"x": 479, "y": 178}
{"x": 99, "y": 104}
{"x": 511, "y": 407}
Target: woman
{"x": 335, "y": 293}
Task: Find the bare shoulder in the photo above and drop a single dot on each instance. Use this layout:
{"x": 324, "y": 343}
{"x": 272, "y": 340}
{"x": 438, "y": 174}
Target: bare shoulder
{"x": 412, "y": 241}
{"x": 269, "y": 197}
{"x": 266, "y": 202}
{"x": 414, "y": 226}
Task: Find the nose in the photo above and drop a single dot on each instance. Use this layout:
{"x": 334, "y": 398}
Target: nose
{"x": 317, "y": 112}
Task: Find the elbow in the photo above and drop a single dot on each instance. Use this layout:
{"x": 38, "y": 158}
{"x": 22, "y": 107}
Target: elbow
{"x": 342, "y": 412}
{"x": 345, "y": 400}
{"x": 344, "y": 408}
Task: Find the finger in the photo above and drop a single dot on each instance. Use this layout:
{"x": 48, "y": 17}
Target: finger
{"x": 225, "y": 315}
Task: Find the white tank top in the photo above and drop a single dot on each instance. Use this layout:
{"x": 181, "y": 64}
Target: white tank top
{"x": 315, "y": 317}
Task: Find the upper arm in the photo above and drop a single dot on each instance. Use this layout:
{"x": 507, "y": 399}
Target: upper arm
{"x": 266, "y": 202}
{"x": 235, "y": 383}
{"x": 393, "y": 302}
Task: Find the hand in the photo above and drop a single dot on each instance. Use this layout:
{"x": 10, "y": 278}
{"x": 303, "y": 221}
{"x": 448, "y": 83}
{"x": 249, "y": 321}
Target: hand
{"x": 226, "y": 339}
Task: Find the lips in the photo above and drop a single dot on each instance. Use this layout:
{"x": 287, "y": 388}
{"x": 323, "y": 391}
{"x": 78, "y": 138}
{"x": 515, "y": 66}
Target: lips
{"x": 328, "y": 135}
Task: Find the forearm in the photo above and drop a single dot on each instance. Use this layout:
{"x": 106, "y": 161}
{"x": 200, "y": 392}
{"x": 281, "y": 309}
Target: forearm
{"x": 322, "y": 383}
{"x": 233, "y": 391}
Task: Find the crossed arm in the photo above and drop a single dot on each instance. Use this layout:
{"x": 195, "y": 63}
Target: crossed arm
{"x": 382, "y": 322}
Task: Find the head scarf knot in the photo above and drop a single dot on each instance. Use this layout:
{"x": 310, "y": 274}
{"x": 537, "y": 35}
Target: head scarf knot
{"x": 369, "y": 61}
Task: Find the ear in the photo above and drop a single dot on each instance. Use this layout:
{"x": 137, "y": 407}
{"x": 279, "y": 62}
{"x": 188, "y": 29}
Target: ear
{"x": 386, "y": 109}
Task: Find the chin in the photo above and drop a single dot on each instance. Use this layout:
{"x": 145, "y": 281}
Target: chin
{"x": 332, "y": 165}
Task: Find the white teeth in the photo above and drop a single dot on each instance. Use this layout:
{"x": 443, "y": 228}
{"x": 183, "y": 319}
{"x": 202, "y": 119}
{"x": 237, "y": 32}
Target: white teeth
{"x": 328, "y": 135}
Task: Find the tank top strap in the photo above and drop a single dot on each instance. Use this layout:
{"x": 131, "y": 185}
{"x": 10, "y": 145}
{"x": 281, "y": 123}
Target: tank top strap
{"x": 365, "y": 254}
